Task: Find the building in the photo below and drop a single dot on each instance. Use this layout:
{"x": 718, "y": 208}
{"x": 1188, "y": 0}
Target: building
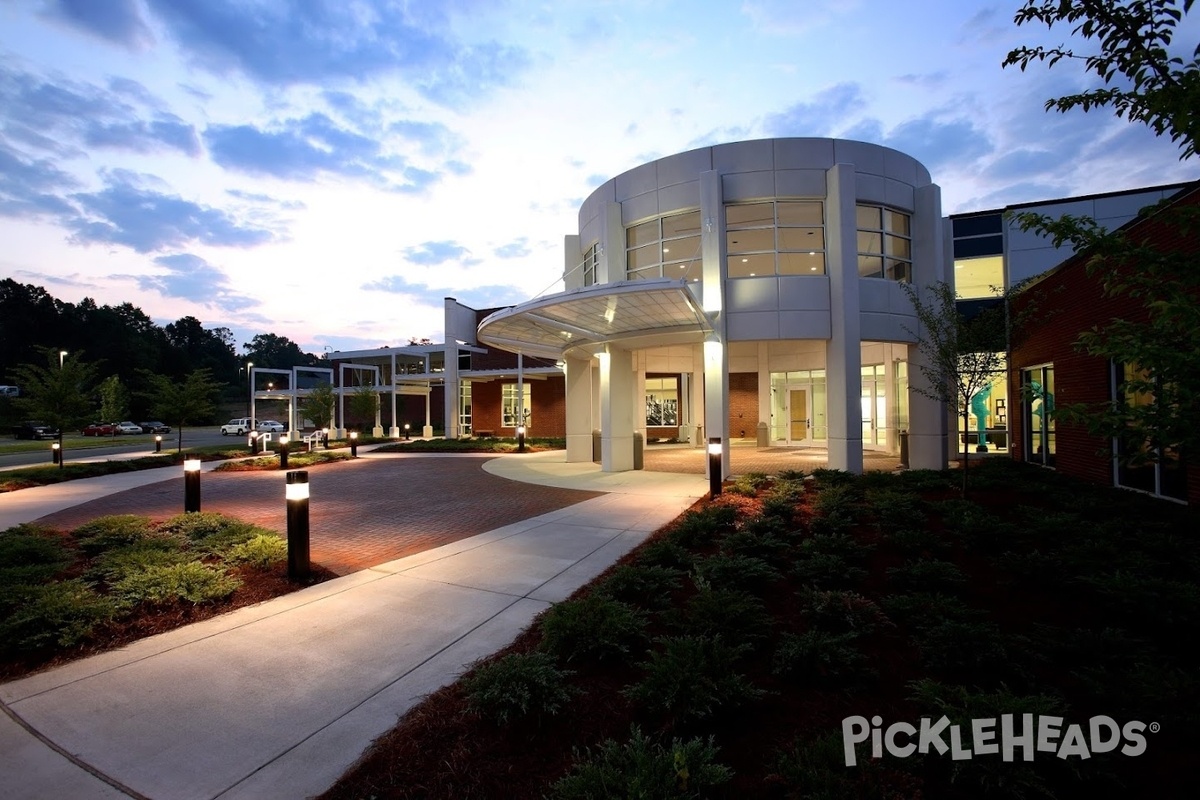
{"x": 747, "y": 290}
{"x": 1046, "y": 369}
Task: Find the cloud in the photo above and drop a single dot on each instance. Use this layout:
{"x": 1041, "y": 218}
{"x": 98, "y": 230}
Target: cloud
{"x": 478, "y": 297}
{"x": 433, "y": 138}
{"x": 434, "y": 253}
{"x": 936, "y": 143}
{"x": 267, "y": 200}
{"x": 927, "y": 80}
{"x": 828, "y": 110}
{"x": 127, "y": 212}
{"x": 192, "y": 278}
{"x": 788, "y": 18}
{"x": 518, "y": 248}
{"x": 323, "y": 40}
{"x": 117, "y": 21}
{"x": 59, "y": 115}
{"x": 28, "y": 186}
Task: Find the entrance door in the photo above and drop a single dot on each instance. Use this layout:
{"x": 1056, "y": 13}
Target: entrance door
{"x": 874, "y": 409}
{"x": 799, "y": 416}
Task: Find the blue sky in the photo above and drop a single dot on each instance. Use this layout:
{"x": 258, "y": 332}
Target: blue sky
{"x": 330, "y": 170}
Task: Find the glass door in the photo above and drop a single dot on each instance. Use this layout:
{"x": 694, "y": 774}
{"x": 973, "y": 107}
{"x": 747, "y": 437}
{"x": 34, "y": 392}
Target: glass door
{"x": 874, "y": 408}
{"x": 799, "y": 415}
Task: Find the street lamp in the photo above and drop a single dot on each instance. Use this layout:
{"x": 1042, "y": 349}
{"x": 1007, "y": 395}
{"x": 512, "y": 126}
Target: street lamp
{"x": 406, "y": 430}
{"x": 296, "y": 495}
{"x": 284, "y": 442}
{"x": 191, "y": 485}
{"x": 62, "y": 354}
{"x": 354, "y": 444}
{"x": 714, "y": 466}
{"x": 250, "y": 379}
{"x": 520, "y": 438}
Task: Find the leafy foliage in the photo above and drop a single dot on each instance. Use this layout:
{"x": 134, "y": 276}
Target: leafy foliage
{"x": 260, "y": 552}
{"x": 180, "y": 403}
{"x": 594, "y": 626}
{"x": 192, "y": 582}
{"x": 693, "y": 677}
{"x": 60, "y": 613}
{"x": 517, "y": 686}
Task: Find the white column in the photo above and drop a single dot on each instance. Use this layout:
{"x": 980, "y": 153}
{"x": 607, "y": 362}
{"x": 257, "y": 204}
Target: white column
{"x": 929, "y": 424}
{"x": 764, "y": 389}
{"x": 450, "y": 401}
{"x": 843, "y": 354}
{"x": 578, "y": 379}
{"x": 639, "y": 396}
{"x": 697, "y": 384}
{"x": 394, "y": 431}
{"x": 616, "y": 410}
{"x": 716, "y": 354}
{"x": 427, "y": 431}
{"x": 520, "y": 394}
{"x": 378, "y": 429}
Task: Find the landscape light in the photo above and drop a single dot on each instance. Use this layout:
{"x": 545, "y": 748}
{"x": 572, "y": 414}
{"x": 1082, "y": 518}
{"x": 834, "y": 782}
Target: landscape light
{"x": 191, "y": 485}
{"x": 296, "y": 495}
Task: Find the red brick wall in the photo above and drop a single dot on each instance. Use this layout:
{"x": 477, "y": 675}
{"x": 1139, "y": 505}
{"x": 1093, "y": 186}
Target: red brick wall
{"x": 547, "y": 415}
{"x": 1069, "y": 302}
{"x": 743, "y": 405}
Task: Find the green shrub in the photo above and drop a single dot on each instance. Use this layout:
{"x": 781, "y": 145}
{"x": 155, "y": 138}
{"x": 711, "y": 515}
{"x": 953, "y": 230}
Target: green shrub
{"x": 835, "y": 499}
{"x": 61, "y": 614}
{"x": 160, "y": 551}
{"x": 759, "y": 539}
{"x": 641, "y": 768}
{"x": 925, "y": 609}
{"x": 211, "y": 532}
{"x": 692, "y": 678}
{"x": 817, "y": 770}
{"x": 645, "y": 585}
{"x": 664, "y": 552}
{"x": 594, "y": 626}
{"x": 733, "y": 615}
{"x": 836, "y": 544}
{"x": 820, "y": 656}
{"x": 926, "y": 575}
{"x": 828, "y": 571}
{"x": 193, "y": 582}
{"x": 260, "y": 552}
{"x": 724, "y": 571}
{"x": 29, "y": 554}
{"x": 894, "y": 509}
{"x": 699, "y": 528}
{"x": 106, "y": 533}
{"x": 828, "y": 478}
{"x": 797, "y": 475}
{"x": 916, "y": 541}
{"x": 968, "y": 650}
{"x": 517, "y": 686}
{"x": 928, "y": 480}
{"x": 839, "y": 611}
{"x": 1169, "y": 607}
{"x": 748, "y": 485}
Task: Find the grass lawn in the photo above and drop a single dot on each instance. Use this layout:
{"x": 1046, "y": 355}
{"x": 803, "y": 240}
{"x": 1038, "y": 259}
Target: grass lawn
{"x": 723, "y": 657}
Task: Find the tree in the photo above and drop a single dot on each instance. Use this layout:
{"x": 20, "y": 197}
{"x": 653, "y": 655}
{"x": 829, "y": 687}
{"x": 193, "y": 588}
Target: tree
{"x": 194, "y": 399}
{"x": 1144, "y": 81}
{"x": 114, "y": 399}
{"x": 962, "y": 356}
{"x": 364, "y": 403}
{"x": 317, "y": 405}
{"x": 59, "y": 392}
{"x": 277, "y": 352}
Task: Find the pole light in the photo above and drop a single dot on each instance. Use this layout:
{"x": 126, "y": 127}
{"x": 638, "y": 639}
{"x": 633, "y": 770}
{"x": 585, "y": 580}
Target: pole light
{"x": 520, "y": 438}
{"x": 252, "y": 442}
{"x": 158, "y": 443}
{"x": 296, "y": 494}
{"x": 250, "y": 381}
{"x": 283, "y": 451}
{"x": 55, "y": 454}
{"x": 714, "y": 466}
{"x": 191, "y": 485}
{"x": 406, "y": 430}
{"x": 325, "y": 437}
{"x": 354, "y": 444}
{"x": 62, "y": 354}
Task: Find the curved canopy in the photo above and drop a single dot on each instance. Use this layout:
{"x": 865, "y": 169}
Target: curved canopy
{"x": 636, "y": 314}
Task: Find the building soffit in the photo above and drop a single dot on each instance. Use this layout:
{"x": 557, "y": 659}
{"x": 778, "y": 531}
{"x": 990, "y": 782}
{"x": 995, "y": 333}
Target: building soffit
{"x": 645, "y": 313}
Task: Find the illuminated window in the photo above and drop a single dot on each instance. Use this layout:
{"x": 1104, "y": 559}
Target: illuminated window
{"x": 590, "y": 259}
{"x": 662, "y": 402}
{"x": 509, "y": 405}
{"x": 884, "y": 243}
{"x": 464, "y": 407}
{"x": 976, "y": 278}
{"x": 1141, "y": 464}
{"x": 666, "y": 247}
{"x": 783, "y": 237}
{"x": 1037, "y": 411}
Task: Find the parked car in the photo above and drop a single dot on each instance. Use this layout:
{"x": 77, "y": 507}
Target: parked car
{"x": 128, "y": 427}
{"x": 237, "y": 427}
{"x": 270, "y": 426}
{"x": 155, "y": 427}
{"x": 100, "y": 429}
{"x": 33, "y": 429}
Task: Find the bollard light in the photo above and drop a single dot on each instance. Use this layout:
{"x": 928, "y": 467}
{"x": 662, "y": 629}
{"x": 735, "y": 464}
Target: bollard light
{"x": 354, "y": 444}
{"x": 283, "y": 451}
{"x": 520, "y": 438}
{"x": 714, "y": 466}
{"x": 296, "y": 494}
{"x": 55, "y": 454}
{"x": 252, "y": 442}
{"x": 158, "y": 443}
{"x": 325, "y": 437}
{"x": 191, "y": 485}
{"x": 406, "y": 430}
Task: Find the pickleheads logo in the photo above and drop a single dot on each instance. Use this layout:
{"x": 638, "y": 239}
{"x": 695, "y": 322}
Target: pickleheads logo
{"x": 1046, "y": 734}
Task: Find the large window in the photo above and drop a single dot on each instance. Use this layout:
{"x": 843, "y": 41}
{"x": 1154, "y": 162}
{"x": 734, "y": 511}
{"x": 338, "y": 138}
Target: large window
{"x": 510, "y": 400}
{"x": 884, "y": 243}
{"x": 464, "y": 407}
{"x": 975, "y": 278}
{"x": 662, "y": 402}
{"x": 590, "y": 259}
{"x": 1143, "y": 465}
{"x": 783, "y": 237}
{"x": 666, "y": 247}
{"x": 1037, "y": 411}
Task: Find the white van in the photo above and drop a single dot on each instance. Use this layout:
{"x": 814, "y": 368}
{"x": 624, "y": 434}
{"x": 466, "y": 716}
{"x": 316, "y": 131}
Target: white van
{"x": 237, "y": 427}
{"x": 10, "y": 391}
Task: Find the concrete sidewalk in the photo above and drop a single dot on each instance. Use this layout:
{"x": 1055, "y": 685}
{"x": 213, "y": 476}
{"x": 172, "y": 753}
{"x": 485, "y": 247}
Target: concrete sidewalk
{"x": 278, "y": 699}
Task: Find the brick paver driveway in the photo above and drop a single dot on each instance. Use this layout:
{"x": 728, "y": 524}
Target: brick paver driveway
{"x": 362, "y": 513}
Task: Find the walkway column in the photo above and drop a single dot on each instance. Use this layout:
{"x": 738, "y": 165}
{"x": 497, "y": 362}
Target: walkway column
{"x": 715, "y": 350}
{"x": 578, "y": 378}
{"x": 843, "y": 351}
{"x": 427, "y": 431}
{"x": 394, "y": 430}
{"x": 450, "y": 382}
{"x": 616, "y": 410}
{"x": 378, "y": 429}
{"x": 929, "y": 422}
